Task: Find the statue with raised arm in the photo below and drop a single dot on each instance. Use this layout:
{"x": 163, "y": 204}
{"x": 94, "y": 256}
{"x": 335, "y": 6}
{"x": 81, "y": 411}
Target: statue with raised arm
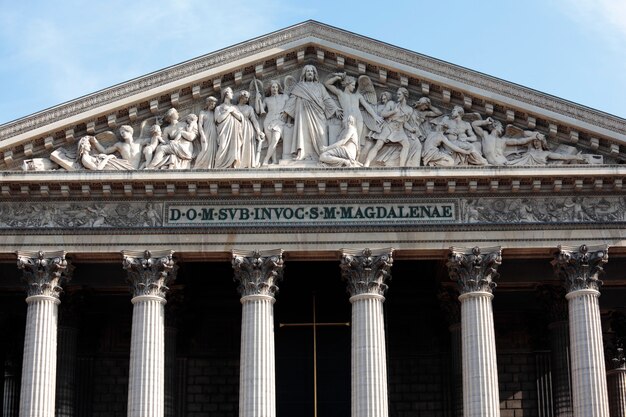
{"x": 460, "y": 133}
{"x": 208, "y": 135}
{"x": 310, "y": 105}
{"x": 129, "y": 149}
{"x": 352, "y": 100}
{"x": 538, "y": 152}
{"x": 343, "y": 153}
{"x": 396, "y": 120}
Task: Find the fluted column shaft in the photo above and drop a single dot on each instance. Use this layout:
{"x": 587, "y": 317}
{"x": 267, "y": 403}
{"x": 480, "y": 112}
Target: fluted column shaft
{"x": 42, "y": 272}
{"x": 146, "y": 375}
{"x": 480, "y": 371}
{"x": 590, "y": 398}
{"x": 257, "y": 374}
{"x": 369, "y": 357}
{"x": 365, "y": 273}
{"x": 148, "y": 274}
{"x": 617, "y": 392}
{"x": 580, "y": 268}
{"x": 257, "y": 274}
{"x": 474, "y": 271}
{"x": 39, "y": 363}
{"x": 11, "y": 395}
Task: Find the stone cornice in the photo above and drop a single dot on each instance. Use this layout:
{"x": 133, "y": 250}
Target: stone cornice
{"x": 551, "y": 180}
{"x": 28, "y": 135}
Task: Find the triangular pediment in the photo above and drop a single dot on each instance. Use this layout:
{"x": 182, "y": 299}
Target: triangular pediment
{"x": 49, "y": 139}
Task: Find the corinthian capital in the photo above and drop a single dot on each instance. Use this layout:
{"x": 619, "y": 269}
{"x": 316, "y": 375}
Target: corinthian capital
{"x": 474, "y": 269}
{"x": 149, "y": 273}
{"x": 258, "y": 272}
{"x": 365, "y": 271}
{"x": 42, "y": 271}
{"x": 579, "y": 267}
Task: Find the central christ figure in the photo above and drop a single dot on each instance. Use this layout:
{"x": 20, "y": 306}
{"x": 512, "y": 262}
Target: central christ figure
{"x": 310, "y": 105}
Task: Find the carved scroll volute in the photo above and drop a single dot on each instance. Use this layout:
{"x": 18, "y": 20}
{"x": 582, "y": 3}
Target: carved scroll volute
{"x": 365, "y": 271}
{"x": 258, "y": 272}
{"x": 580, "y": 267}
{"x": 42, "y": 271}
{"x": 474, "y": 269}
{"x": 149, "y": 272}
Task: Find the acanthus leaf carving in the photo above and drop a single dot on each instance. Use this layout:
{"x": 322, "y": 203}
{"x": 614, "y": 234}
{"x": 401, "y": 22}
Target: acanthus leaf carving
{"x": 579, "y": 268}
{"x": 366, "y": 271}
{"x": 43, "y": 272}
{"x": 474, "y": 269}
{"x": 149, "y": 272}
{"x": 258, "y": 272}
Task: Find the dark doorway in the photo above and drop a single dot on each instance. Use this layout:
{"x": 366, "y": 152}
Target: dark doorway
{"x": 304, "y": 282}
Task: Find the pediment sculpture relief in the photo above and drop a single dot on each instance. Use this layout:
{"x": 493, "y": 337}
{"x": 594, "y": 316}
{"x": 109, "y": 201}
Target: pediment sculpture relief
{"x": 301, "y": 121}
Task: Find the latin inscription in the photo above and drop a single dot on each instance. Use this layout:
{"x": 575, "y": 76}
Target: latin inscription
{"x": 340, "y": 213}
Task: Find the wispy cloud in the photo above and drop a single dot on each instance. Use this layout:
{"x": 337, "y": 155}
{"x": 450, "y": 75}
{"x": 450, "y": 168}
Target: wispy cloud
{"x": 73, "y": 48}
{"x": 606, "y": 19}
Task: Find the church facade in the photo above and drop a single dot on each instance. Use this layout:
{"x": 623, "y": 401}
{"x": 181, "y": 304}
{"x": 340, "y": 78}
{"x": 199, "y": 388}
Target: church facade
{"x": 445, "y": 243}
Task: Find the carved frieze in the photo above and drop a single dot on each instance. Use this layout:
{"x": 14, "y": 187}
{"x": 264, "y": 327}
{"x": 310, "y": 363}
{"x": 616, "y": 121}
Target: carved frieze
{"x": 474, "y": 269}
{"x": 149, "y": 272}
{"x": 580, "y": 267}
{"x": 306, "y": 212}
{"x": 42, "y": 272}
{"x": 306, "y": 117}
{"x": 366, "y": 271}
{"x": 257, "y": 273}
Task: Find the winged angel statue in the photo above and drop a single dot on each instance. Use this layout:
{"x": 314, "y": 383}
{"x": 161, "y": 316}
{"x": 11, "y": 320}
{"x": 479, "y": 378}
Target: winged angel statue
{"x": 270, "y": 100}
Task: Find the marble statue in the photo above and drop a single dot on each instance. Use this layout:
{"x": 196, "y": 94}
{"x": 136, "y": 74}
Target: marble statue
{"x": 177, "y": 151}
{"x": 274, "y": 123}
{"x": 351, "y": 101}
{"x": 343, "y": 153}
{"x": 101, "y": 161}
{"x": 131, "y": 150}
{"x": 208, "y": 136}
{"x": 309, "y": 105}
{"x": 229, "y": 122}
{"x": 494, "y": 143}
{"x": 393, "y": 129}
{"x": 246, "y": 130}
{"x": 437, "y": 148}
{"x": 252, "y": 136}
{"x": 538, "y": 152}
{"x": 460, "y": 132}
{"x": 156, "y": 140}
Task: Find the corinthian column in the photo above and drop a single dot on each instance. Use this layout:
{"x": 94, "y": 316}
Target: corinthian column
{"x": 257, "y": 274}
{"x": 474, "y": 271}
{"x": 579, "y": 269}
{"x": 148, "y": 274}
{"x": 365, "y": 273}
{"x": 616, "y": 378}
{"x": 42, "y": 273}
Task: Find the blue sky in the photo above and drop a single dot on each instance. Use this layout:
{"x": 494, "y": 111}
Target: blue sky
{"x": 53, "y": 52}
